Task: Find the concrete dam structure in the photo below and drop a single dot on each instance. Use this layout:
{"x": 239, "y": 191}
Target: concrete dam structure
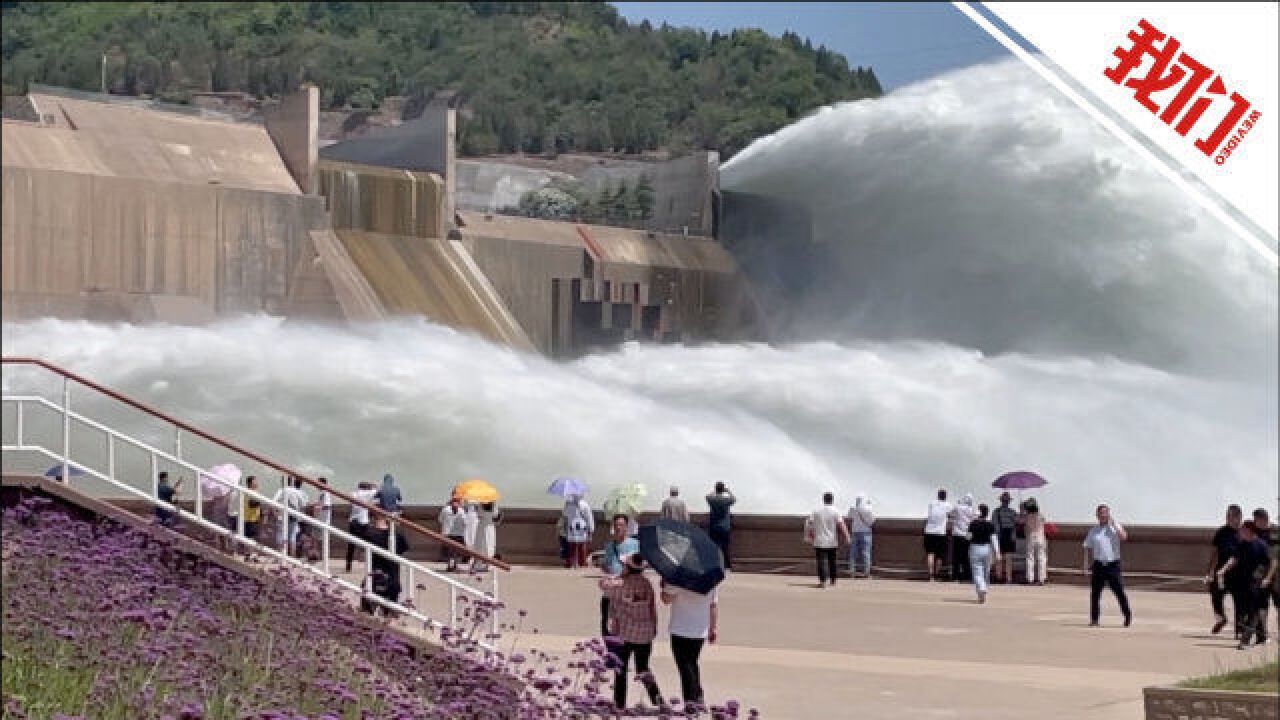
{"x": 119, "y": 209}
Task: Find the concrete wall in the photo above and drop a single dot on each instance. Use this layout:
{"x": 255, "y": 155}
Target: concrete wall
{"x": 385, "y": 200}
{"x": 425, "y": 144}
{"x": 79, "y": 245}
{"x": 773, "y": 543}
{"x": 682, "y": 190}
{"x": 491, "y": 186}
{"x": 683, "y": 187}
{"x": 524, "y": 274}
{"x": 293, "y": 125}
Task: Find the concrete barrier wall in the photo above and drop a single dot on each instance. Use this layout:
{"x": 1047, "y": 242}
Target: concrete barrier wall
{"x": 384, "y": 200}
{"x": 772, "y": 543}
{"x": 96, "y": 240}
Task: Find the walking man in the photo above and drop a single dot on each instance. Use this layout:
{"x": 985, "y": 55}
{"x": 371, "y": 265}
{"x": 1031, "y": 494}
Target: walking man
{"x": 673, "y": 508}
{"x": 935, "y": 535}
{"x": 961, "y": 516}
{"x": 1102, "y": 563}
{"x": 453, "y": 525}
{"x": 633, "y": 620}
{"x": 1243, "y": 575}
{"x": 1267, "y": 534}
{"x": 693, "y": 622}
{"x": 620, "y": 545}
{"x": 1224, "y": 547}
{"x": 718, "y": 525}
{"x": 826, "y": 530}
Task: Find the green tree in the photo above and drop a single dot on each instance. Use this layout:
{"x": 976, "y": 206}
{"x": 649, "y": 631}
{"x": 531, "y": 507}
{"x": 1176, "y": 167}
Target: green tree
{"x": 540, "y": 77}
{"x": 644, "y": 199}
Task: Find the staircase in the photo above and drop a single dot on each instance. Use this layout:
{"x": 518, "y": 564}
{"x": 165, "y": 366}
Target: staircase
{"x": 97, "y": 459}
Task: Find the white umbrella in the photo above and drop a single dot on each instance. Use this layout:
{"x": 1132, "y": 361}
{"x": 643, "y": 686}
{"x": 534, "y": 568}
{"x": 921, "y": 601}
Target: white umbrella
{"x": 219, "y": 480}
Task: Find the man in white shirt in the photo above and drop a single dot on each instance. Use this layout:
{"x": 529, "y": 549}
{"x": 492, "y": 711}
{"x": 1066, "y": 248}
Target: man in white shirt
{"x": 1102, "y": 563}
{"x": 326, "y": 504}
{"x": 961, "y": 515}
{"x": 358, "y": 517}
{"x": 674, "y": 508}
{"x": 294, "y": 498}
{"x": 826, "y": 530}
{"x": 935, "y": 535}
{"x": 453, "y": 525}
{"x": 693, "y": 621}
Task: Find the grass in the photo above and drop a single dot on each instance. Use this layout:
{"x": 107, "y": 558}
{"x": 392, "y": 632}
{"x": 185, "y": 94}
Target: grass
{"x": 1262, "y": 678}
{"x": 106, "y": 622}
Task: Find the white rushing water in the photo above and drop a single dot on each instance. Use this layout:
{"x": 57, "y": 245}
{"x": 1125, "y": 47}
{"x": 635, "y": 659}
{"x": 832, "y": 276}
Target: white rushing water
{"x": 1013, "y": 290}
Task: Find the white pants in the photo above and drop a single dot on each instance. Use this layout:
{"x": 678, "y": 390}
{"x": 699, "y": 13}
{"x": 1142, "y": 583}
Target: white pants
{"x": 1037, "y": 561}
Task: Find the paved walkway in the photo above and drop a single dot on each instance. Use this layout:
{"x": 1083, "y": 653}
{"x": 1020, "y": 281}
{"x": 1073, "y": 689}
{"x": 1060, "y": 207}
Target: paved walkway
{"x": 901, "y": 649}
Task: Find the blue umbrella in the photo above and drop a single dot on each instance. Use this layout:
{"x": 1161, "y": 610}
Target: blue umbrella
{"x": 565, "y": 486}
{"x": 56, "y": 471}
{"x": 682, "y": 554}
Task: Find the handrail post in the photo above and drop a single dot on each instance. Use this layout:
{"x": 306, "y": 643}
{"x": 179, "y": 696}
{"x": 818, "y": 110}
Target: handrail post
{"x": 66, "y": 431}
{"x": 21, "y": 440}
{"x": 177, "y": 442}
{"x": 453, "y": 605}
{"x": 199, "y": 497}
{"x": 111, "y": 457}
{"x": 493, "y": 614}
{"x": 324, "y": 549}
{"x": 155, "y": 471}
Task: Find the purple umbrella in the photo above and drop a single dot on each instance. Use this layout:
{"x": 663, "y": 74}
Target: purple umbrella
{"x": 1020, "y": 480}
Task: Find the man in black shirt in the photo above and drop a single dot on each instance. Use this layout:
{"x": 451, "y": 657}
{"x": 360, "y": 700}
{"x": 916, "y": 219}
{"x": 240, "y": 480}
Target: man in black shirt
{"x": 1224, "y": 546}
{"x": 1270, "y": 592}
{"x": 1243, "y": 574}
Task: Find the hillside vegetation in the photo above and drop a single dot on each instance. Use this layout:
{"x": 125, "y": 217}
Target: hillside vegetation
{"x": 537, "y": 77}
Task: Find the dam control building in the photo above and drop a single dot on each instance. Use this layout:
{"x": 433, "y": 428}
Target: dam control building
{"x": 130, "y": 210}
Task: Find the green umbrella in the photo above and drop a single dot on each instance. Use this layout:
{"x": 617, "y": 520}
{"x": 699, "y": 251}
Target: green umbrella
{"x": 625, "y": 500}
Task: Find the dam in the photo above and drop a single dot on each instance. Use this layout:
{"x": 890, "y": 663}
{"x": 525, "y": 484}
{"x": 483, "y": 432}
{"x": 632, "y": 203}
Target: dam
{"x": 126, "y": 210}
{"x": 1063, "y": 312}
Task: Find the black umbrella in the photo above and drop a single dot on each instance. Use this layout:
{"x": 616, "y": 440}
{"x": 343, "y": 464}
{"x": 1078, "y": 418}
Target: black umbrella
{"x": 682, "y": 554}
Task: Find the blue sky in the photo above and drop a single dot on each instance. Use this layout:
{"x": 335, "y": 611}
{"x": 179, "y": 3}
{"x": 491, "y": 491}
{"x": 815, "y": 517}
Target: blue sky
{"x": 903, "y": 42}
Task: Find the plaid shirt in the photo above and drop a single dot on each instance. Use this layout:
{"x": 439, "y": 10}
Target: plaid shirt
{"x": 633, "y": 613}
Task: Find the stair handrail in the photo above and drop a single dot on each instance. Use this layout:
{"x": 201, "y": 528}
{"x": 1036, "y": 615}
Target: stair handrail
{"x": 227, "y": 444}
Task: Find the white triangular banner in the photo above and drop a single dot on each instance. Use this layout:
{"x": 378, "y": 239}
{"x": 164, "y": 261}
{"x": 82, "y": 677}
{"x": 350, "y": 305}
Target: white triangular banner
{"x": 1196, "y": 82}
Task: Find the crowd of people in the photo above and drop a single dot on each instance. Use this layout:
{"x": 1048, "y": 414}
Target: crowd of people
{"x": 1245, "y": 564}
{"x": 964, "y": 541}
{"x": 629, "y": 601}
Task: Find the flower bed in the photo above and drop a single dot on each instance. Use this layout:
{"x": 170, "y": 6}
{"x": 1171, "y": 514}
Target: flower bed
{"x": 103, "y": 621}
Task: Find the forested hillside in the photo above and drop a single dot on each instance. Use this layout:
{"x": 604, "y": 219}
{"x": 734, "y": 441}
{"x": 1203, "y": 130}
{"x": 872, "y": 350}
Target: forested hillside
{"x": 537, "y": 77}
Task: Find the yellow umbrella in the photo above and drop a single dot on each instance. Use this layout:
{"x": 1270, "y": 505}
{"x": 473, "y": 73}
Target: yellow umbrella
{"x": 476, "y": 490}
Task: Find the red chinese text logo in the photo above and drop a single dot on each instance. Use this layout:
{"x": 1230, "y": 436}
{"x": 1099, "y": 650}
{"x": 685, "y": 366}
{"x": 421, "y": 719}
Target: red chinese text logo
{"x": 1189, "y": 104}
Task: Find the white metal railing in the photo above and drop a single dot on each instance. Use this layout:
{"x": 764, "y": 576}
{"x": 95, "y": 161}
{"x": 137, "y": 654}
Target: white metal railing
{"x": 412, "y": 569}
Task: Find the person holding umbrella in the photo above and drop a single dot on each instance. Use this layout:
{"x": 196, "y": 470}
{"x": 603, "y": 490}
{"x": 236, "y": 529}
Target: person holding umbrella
{"x": 692, "y": 623}
{"x": 579, "y": 524}
{"x": 691, "y": 566}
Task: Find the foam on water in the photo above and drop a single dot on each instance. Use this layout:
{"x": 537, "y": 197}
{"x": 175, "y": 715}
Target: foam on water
{"x": 778, "y": 424}
{"x": 1010, "y": 290}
